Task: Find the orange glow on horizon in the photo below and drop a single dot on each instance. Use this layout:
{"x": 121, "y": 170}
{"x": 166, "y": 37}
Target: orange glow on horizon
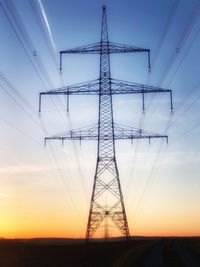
{"x": 61, "y": 225}
{"x": 63, "y": 231}
{"x": 23, "y": 215}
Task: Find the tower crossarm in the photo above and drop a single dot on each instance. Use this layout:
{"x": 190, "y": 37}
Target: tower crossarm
{"x": 85, "y": 133}
{"x": 95, "y": 48}
{"x": 122, "y": 48}
{"x": 86, "y": 88}
{"x": 125, "y": 132}
{"x": 91, "y": 133}
{"x": 112, "y": 48}
{"x": 124, "y": 87}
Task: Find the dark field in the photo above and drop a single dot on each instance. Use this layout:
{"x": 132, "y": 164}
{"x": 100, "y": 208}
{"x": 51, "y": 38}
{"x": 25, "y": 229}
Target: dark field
{"x": 173, "y": 252}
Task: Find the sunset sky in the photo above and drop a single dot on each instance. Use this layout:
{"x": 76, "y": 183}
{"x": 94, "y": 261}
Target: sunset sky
{"x": 45, "y": 192}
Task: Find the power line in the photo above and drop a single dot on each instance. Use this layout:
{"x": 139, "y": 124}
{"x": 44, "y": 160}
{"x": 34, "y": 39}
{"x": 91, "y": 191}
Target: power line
{"x": 10, "y": 6}
{"x": 19, "y": 130}
{"x": 51, "y": 48}
{"x": 23, "y": 46}
{"x": 169, "y": 125}
{"x": 39, "y": 19}
{"x": 180, "y": 44}
{"x": 19, "y": 105}
{"x": 153, "y": 174}
{"x": 167, "y": 26}
{"x": 159, "y": 47}
{"x": 20, "y": 26}
{"x": 35, "y": 141}
{"x": 184, "y": 56}
{"x": 150, "y": 178}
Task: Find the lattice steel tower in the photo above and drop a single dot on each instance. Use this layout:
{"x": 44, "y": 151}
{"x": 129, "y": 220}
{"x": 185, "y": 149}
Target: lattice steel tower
{"x": 106, "y": 179}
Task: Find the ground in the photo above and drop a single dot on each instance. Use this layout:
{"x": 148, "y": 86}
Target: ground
{"x": 151, "y": 252}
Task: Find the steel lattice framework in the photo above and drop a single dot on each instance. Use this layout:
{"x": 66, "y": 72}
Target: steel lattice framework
{"x": 106, "y": 131}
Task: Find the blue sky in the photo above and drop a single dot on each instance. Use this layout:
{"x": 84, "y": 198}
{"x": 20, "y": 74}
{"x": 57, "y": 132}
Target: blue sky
{"x": 160, "y": 185}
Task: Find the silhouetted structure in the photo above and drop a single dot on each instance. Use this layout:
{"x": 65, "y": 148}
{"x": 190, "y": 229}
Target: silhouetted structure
{"x": 106, "y": 179}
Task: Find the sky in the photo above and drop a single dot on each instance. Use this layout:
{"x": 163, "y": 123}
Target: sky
{"x": 45, "y": 191}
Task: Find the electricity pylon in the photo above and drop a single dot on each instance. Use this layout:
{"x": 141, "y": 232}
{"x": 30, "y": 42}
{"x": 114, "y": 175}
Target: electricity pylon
{"x": 106, "y": 131}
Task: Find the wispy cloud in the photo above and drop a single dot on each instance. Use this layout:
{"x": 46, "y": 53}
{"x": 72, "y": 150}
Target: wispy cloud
{"x": 4, "y": 195}
{"x": 47, "y": 23}
{"x": 14, "y": 169}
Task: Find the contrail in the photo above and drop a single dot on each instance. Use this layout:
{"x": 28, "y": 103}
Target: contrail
{"x": 47, "y": 23}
